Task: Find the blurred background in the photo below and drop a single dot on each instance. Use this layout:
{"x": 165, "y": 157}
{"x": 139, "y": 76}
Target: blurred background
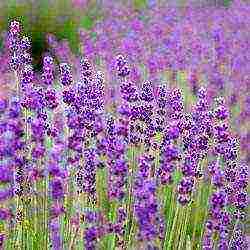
{"x": 64, "y": 17}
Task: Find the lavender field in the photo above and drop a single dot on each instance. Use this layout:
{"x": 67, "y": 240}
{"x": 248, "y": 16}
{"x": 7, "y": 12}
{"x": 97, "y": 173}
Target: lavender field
{"x": 138, "y": 141}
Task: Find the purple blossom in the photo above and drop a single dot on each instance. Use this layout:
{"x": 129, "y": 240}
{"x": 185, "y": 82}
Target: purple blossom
{"x": 47, "y": 75}
{"x": 5, "y": 214}
{"x": 27, "y": 76}
{"x": 15, "y": 28}
{"x": 2, "y": 239}
{"x": 57, "y": 188}
{"x": 55, "y": 234}
{"x": 6, "y": 194}
{"x": 5, "y": 174}
{"x": 218, "y": 199}
{"x": 56, "y": 210}
{"x": 66, "y": 75}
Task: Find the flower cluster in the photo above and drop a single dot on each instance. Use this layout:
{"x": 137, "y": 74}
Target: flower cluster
{"x": 47, "y": 75}
{"x": 86, "y": 172}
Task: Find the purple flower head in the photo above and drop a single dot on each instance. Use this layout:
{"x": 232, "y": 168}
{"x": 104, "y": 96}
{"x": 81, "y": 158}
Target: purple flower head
{"x": 120, "y": 61}
{"x": 162, "y": 97}
{"x": 55, "y": 234}
{"x": 35, "y": 174}
{"x": 145, "y": 208}
{"x": 241, "y": 199}
{"x": 15, "y": 61}
{"x": 91, "y": 235}
{"x": 120, "y": 167}
{"x": 172, "y": 132}
{"x": 218, "y": 199}
{"x": 66, "y": 75}
{"x": 5, "y": 214}
{"x": 25, "y": 43}
{"x": 38, "y": 151}
{"x": 56, "y": 210}
{"x": 47, "y": 75}
{"x": 5, "y": 174}
{"x": 69, "y": 96}
{"x": 218, "y": 178}
{"x": 14, "y": 44}
{"x": 202, "y": 93}
{"x": 170, "y": 152}
{"x": 25, "y": 58}
{"x": 221, "y": 132}
{"x": 124, "y": 71}
{"x": 221, "y": 112}
{"x": 50, "y": 97}
{"x": 56, "y": 171}
{"x": 3, "y": 105}
{"x": 38, "y": 129}
{"x": 92, "y": 216}
{"x": 15, "y": 28}
{"x": 184, "y": 199}
{"x": 189, "y": 166}
{"x": 121, "y": 66}
{"x": 186, "y": 185}
{"x": 239, "y": 240}
{"x": 57, "y": 189}
{"x": 2, "y": 239}
{"x": 129, "y": 92}
{"x": 147, "y": 92}
{"x": 225, "y": 218}
{"x": 14, "y": 110}
{"x": 48, "y": 61}
{"x": 27, "y": 75}
{"x": 201, "y": 105}
{"x": 6, "y": 194}
{"x": 85, "y": 68}
{"x": 121, "y": 214}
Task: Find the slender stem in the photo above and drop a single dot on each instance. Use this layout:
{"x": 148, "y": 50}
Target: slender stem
{"x": 173, "y": 228}
{"x": 129, "y": 225}
{"x": 188, "y": 243}
{"x": 72, "y": 243}
{"x": 184, "y": 227}
{"x": 181, "y": 220}
{"x": 169, "y": 217}
{"x": 198, "y": 207}
{"x": 196, "y": 215}
{"x": 209, "y": 189}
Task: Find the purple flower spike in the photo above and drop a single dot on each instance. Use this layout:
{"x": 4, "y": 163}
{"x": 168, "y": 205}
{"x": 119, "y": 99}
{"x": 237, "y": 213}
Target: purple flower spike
{"x": 66, "y": 75}
{"x": 121, "y": 66}
{"x": 15, "y": 28}
{"x": 2, "y": 239}
{"x": 5, "y": 214}
{"x": 55, "y": 234}
{"x": 47, "y": 76}
{"x": 57, "y": 189}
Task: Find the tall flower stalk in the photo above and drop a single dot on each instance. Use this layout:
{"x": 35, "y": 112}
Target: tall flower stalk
{"x": 152, "y": 172}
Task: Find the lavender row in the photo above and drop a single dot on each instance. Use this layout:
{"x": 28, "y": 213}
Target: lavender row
{"x": 83, "y": 166}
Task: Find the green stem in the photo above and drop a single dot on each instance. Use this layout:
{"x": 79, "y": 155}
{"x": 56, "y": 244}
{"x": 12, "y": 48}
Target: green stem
{"x": 181, "y": 220}
{"x": 46, "y": 211}
{"x": 129, "y": 225}
{"x": 169, "y": 216}
{"x": 173, "y": 229}
{"x": 196, "y": 218}
{"x": 206, "y": 192}
{"x": 182, "y": 239}
{"x": 112, "y": 217}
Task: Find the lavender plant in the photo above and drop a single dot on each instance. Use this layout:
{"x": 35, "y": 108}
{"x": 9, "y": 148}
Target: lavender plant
{"x": 146, "y": 173}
